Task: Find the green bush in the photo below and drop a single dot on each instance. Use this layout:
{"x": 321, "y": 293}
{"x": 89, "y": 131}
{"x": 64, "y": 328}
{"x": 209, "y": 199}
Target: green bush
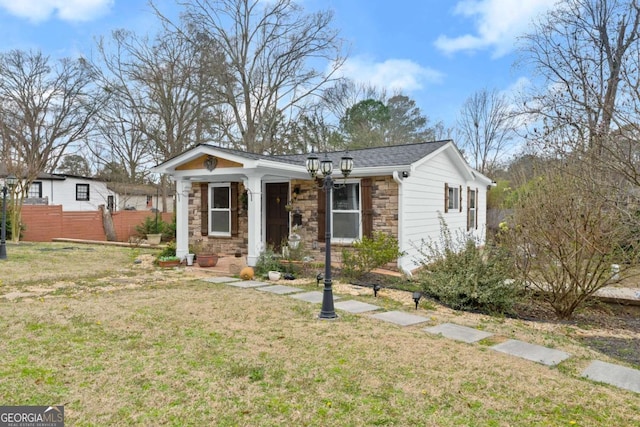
{"x": 368, "y": 254}
{"x": 169, "y": 250}
{"x": 155, "y": 225}
{"x": 8, "y": 221}
{"x": 267, "y": 261}
{"x": 465, "y": 277}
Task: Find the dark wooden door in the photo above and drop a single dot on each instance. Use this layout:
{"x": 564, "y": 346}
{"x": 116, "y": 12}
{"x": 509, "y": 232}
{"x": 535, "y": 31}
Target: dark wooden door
{"x": 277, "y": 220}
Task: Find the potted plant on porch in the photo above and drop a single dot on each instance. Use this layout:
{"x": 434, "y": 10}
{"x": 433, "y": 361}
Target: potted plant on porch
{"x": 204, "y": 256}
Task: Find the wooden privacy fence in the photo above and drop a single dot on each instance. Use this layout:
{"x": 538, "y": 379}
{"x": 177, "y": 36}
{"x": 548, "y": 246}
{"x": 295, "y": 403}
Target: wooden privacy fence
{"x": 45, "y": 223}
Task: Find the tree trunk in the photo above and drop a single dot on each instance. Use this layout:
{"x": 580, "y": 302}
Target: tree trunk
{"x": 107, "y": 224}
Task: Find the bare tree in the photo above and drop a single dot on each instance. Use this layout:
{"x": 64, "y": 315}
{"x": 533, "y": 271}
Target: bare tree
{"x": 157, "y": 105}
{"x": 582, "y": 49}
{"x": 277, "y": 57}
{"x": 565, "y": 235}
{"x": 45, "y": 109}
{"x": 485, "y": 126}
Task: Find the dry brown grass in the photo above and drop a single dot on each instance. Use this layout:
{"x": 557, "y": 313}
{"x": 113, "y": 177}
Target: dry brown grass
{"x": 141, "y": 346}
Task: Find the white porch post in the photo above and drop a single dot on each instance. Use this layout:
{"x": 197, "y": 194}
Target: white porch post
{"x": 182, "y": 217}
{"x": 253, "y": 184}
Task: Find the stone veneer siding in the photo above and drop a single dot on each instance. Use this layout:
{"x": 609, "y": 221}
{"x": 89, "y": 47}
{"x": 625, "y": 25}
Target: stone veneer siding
{"x": 219, "y": 245}
{"x": 384, "y": 192}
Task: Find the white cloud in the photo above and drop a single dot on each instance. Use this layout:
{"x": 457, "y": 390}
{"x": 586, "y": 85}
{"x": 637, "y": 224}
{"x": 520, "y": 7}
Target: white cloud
{"x": 497, "y": 24}
{"x": 392, "y": 74}
{"x": 67, "y": 10}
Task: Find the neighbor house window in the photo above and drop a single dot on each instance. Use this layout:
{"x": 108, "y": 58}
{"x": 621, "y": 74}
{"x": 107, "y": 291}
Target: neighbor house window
{"x": 220, "y": 209}
{"x": 346, "y": 212}
{"x": 472, "y": 211}
{"x": 35, "y": 190}
{"x": 452, "y": 196}
{"x": 82, "y": 192}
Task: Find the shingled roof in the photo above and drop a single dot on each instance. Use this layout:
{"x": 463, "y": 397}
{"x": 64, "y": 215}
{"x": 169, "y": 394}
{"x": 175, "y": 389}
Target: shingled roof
{"x": 395, "y": 155}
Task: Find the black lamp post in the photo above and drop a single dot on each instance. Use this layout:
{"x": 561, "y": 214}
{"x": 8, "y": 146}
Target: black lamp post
{"x": 9, "y": 182}
{"x": 326, "y": 168}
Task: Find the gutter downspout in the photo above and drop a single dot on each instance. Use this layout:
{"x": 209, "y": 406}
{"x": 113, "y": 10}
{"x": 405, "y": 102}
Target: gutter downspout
{"x": 398, "y": 180}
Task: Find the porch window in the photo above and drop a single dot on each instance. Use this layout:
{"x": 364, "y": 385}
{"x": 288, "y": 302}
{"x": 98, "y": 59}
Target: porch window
{"x": 220, "y": 209}
{"x": 472, "y": 211}
{"x": 346, "y": 213}
{"x": 82, "y": 192}
{"x": 35, "y": 190}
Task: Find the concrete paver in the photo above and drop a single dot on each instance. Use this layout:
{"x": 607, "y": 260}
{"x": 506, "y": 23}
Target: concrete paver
{"x": 280, "y": 289}
{"x": 400, "y": 318}
{"x": 246, "y": 284}
{"x": 458, "y": 333}
{"x": 221, "y": 279}
{"x": 533, "y": 352}
{"x": 314, "y": 297}
{"x": 619, "y": 376}
{"x": 353, "y": 306}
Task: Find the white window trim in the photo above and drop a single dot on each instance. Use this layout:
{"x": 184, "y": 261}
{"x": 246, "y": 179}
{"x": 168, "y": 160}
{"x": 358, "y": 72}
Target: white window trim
{"x": 345, "y": 241}
{"x": 212, "y": 209}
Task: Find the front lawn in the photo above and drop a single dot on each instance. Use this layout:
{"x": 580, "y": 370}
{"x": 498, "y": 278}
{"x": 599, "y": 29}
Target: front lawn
{"x": 130, "y": 344}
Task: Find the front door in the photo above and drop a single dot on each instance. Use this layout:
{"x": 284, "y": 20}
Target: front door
{"x": 277, "y": 220}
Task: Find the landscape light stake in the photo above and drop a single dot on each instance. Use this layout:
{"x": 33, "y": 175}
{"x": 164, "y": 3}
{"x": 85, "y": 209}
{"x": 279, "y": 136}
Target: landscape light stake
{"x": 416, "y": 298}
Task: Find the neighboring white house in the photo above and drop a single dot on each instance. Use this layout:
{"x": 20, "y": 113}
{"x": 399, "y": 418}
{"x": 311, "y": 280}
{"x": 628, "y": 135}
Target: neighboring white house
{"x": 139, "y": 197}
{"x": 230, "y": 200}
{"x": 74, "y": 193}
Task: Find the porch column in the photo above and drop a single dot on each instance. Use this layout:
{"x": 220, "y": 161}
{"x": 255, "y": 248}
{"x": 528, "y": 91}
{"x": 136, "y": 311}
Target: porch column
{"x": 182, "y": 217}
{"x": 253, "y": 184}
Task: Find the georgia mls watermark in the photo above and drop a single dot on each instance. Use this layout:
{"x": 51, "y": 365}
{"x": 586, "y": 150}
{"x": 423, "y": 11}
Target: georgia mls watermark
{"x": 32, "y": 416}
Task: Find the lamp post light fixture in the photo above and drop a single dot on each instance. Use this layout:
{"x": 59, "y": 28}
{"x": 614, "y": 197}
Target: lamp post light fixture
{"x": 314, "y": 165}
{"x": 9, "y": 182}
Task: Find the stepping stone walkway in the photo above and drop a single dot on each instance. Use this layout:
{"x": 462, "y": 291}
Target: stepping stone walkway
{"x": 616, "y": 375}
{"x": 246, "y": 284}
{"x": 312, "y": 297}
{"x": 221, "y": 279}
{"x": 533, "y": 352}
{"x": 400, "y": 318}
{"x": 458, "y": 333}
{"x": 619, "y": 376}
{"x": 280, "y": 289}
{"x": 353, "y": 306}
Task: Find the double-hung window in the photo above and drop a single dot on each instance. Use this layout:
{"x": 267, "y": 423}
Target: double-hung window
{"x": 452, "y": 198}
{"x": 82, "y": 192}
{"x": 35, "y": 190}
{"x": 472, "y": 211}
{"x": 347, "y": 213}
{"x": 220, "y": 209}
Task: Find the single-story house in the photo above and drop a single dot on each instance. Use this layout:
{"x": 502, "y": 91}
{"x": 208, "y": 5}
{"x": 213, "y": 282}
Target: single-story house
{"x": 74, "y": 193}
{"x": 230, "y": 200}
{"x": 138, "y": 197}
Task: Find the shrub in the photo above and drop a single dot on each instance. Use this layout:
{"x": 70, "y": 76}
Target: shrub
{"x": 155, "y": 225}
{"x": 267, "y": 261}
{"x": 369, "y": 253}
{"x": 169, "y": 250}
{"x": 465, "y": 277}
{"x": 151, "y": 225}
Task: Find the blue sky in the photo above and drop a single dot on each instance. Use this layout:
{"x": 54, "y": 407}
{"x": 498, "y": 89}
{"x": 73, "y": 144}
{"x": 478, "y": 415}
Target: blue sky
{"x": 438, "y": 52}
